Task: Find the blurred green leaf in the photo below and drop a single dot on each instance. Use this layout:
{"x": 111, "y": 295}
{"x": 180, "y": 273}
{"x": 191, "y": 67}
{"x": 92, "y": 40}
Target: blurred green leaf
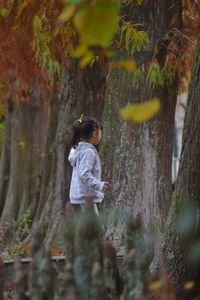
{"x": 91, "y": 21}
{"x": 186, "y": 219}
{"x": 86, "y": 59}
{"x": 194, "y": 253}
{"x": 189, "y": 285}
{"x": 154, "y": 286}
{"x": 74, "y": 1}
{"x": 67, "y": 13}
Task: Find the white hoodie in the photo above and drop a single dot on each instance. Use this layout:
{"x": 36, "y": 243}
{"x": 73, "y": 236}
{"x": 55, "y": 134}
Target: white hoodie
{"x": 86, "y": 175}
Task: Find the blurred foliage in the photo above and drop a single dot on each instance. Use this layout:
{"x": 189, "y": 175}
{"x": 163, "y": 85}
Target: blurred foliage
{"x": 90, "y": 20}
{"x": 24, "y": 226}
{"x": 128, "y": 65}
{"x": 137, "y": 78}
{"x": 141, "y": 112}
{"x": 51, "y": 32}
{"x": 187, "y": 227}
{"x": 158, "y": 76}
{"x": 187, "y": 217}
{"x": 19, "y": 250}
{"x": 134, "y": 39}
{"x": 155, "y": 76}
{"x": 92, "y": 272}
{"x": 41, "y": 45}
{"x": 91, "y": 264}
{"x": 194, "y": 252}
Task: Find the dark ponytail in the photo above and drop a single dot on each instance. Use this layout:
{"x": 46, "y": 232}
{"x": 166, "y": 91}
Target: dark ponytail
{"x": 76, "y": 135}
{"x": 83, "y": 129}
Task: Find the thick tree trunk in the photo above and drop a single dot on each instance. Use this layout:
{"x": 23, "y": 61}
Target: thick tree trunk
{"x": 80, "y": 94}
{"x": 5, "y": 158}
{"x": 137, "y": 158}
{"x": 176, "y": 246}
{"x": 22, "y": 157}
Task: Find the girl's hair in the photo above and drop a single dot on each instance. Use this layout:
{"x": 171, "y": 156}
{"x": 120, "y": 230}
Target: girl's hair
{"x": 83, "y": 129}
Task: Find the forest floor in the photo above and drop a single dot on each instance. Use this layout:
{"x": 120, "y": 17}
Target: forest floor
{"x": 13, "y": 251}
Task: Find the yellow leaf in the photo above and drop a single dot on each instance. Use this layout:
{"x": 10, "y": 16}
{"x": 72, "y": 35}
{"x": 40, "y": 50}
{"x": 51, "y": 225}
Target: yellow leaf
{"x": 86, "y": 59}
{"x": 80, "y": 51}
{"x": 4, "y": 12}
{"x": 141, "y": 112}
{"x": 189, "y": 285}
{"x": 108, "y": 52}
{"x": 154, "y": 286}
{"x": 129, "y": 65}
{"x": 22, "y": 146}
{"x": 139, "y": 2}
{"x": 67, "y": 13}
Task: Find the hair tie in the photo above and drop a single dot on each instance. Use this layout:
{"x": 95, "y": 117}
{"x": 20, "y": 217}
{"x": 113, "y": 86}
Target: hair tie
{"x": 80, "y": 120}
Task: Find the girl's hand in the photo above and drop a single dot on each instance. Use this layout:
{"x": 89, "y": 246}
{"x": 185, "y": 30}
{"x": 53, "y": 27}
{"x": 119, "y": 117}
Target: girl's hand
{"x": 105, "y": 187}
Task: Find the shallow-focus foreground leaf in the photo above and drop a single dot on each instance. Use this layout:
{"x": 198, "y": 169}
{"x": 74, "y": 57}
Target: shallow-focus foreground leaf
{"x": 189, "y": 285}
{"x": 97, "y": 23}
{"x": 75, "y": 1}
{"x": 194, "y": 253}
{"x": 154, "y": 286}
{"x": 67, "y": 13}
{"x": 187, "y": 218}
{"x": 141, "y": 112}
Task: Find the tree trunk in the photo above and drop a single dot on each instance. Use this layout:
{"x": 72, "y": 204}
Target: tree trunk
{"x": 137, "y": 157}
{"x": 176, "y": 245}
{"x": 22, "y": 157}
{"x": 80, "y": 94}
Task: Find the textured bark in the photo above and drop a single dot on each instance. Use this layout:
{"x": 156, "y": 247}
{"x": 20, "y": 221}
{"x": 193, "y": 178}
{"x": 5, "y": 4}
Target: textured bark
{"x": 22, "y": 157}
{"x": 175, "y": 245}
{"x": 137, "y": 158}
{"x": 79, "y": 95}
{"x": 5, "y": 160}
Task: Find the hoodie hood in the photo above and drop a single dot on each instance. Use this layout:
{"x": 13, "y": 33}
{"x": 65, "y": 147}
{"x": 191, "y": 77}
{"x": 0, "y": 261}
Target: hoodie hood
{"x": 75, "y": 152}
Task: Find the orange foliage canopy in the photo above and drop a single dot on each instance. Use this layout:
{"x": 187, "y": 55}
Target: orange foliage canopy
{"x": 20, "y": 51}
{"x": 181, "y": 48}
{"x": 190, "y": 33}
{"x": 33, "y": 39}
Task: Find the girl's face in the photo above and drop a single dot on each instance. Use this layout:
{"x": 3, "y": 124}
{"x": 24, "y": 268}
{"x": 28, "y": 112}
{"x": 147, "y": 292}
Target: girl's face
{"x": 96, "y": 136}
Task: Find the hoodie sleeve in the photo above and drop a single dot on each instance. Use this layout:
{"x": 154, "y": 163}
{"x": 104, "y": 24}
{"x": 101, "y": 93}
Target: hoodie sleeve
{"x": 71, "y": 156}
{"x": 85, "y": 171}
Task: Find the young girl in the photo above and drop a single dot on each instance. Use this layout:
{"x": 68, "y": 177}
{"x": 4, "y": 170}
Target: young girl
{"x": 84, "y": 158}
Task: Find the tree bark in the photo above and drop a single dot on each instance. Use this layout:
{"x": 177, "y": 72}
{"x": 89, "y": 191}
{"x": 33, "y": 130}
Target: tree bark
{"x": 80, "y": 94}
{"x": 176, "y": 246}
{"x": 22, "y": 157}
{"x": 137, "y": 157}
